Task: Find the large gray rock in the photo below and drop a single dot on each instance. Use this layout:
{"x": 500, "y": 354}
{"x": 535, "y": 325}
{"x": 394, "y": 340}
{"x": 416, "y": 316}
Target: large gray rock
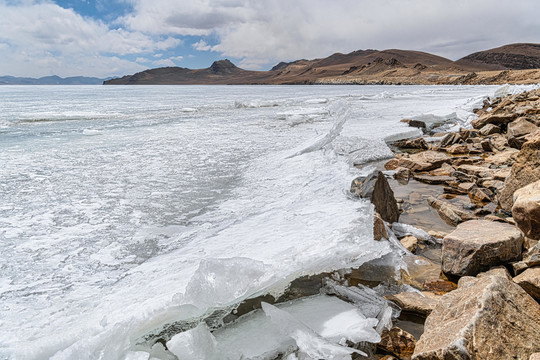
{"x": 526, "y": 210}
{"x": 478, "y": 245}
{"x": 486, "y": 318}
{"x": 375, "y": 187}
{"x": 526, "y": 170}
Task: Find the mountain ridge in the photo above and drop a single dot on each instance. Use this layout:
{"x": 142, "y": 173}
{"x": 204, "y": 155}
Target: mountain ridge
{"x": 52, "y": 80}
{"x": 514, "y": 63}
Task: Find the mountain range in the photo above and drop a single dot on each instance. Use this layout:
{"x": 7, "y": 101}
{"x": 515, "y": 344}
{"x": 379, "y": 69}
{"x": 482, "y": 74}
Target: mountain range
{"x": 514, "y": 63}
{"x": 51, "y": 80}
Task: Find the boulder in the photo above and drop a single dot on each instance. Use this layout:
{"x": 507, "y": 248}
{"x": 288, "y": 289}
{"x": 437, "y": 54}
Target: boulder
{"x": 375, "y": 188}
{"x": 486, "y": 318}
{"x": 495, "y": 119}
{"x": 490, "y": 129}
{"x": 526, "y": 210}
{"x": 410, "y": 243}
{"x": 526, "y": 170}
{"x": 414, "y": 302}
{"x": 529, "y": 280}
{"x": 414, "y": 123}
{"x": 478, "y": 245}
{"x": 535, "y": 356}
{"x": 398, "y": 342}
{"x": 424, "y": 161}
{"x": 451, "y": 214}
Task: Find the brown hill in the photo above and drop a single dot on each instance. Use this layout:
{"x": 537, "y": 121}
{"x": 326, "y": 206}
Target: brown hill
{"x": 365, "y": 67}
{"x": 507, "y": 57}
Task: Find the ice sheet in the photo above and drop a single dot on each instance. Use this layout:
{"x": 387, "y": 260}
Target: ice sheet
{"x": 108, "y": 238}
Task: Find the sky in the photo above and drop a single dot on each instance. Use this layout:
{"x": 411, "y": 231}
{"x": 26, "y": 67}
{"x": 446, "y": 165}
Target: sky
{"x": 105, "y": 38}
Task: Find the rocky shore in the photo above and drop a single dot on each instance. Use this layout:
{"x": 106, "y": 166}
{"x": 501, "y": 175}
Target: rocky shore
{"x": 468, "y": 202}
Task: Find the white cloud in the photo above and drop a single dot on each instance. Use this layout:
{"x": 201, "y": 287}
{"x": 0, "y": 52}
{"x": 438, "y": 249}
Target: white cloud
{"x": 47, "y": 39}
{"x": 261, "y": 32}
{"x": 164, "y": 62}
{"x": 201, "y": 46}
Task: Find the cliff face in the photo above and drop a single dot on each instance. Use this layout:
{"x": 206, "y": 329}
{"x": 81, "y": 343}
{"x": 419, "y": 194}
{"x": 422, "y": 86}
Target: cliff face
{"x": 507, "y": 64}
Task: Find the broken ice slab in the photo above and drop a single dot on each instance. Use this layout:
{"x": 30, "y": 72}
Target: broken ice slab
{"x": 323, "y": 321}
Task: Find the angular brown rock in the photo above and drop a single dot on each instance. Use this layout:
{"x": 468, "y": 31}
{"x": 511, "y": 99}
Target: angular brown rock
{"x": 526, "y": 210}
{"x": 529, "y": 280}
{"x": 379, "y": 229}
{"x": 410, "y": 243}
{"x": 414, "y": 123}
{"x": 495, "y": 119}
{"x": 418, "y": 143}
{"x": 478, "y": 245}
{"x": 425, "y": 161}
{"x": 398, "y": 342}
{"x": 490, "y": 129}
{"x": 484, "y": 319}
{"x": 451, "y": 214}
{"x": 520, "y": 127}
{"x": 416, "y": 303}
{"x": 526, "y": 170}
{"x": 375, "y": 187}
{"x": 458, "y": 149}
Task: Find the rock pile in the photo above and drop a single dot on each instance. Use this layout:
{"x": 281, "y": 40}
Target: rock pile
{"x": 489, "y": 178}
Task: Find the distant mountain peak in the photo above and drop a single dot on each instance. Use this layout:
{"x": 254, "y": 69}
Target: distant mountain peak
{"x": 222, "y": 67}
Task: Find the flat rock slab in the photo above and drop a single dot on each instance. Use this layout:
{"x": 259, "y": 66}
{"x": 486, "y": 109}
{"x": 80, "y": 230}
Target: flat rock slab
{"x": 425, "y": 160}
{"x": 417, "y": 303}
{"x": 434, "y": 180}
{"x": 451, "y": 214}
{"x": 486, "y": 318}
{"x": 478, "y": 245}
{"x": 529, "y": 280}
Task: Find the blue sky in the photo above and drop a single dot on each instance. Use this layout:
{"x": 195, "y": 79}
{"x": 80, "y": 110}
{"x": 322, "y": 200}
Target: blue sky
{"x": 117, "y": 37}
